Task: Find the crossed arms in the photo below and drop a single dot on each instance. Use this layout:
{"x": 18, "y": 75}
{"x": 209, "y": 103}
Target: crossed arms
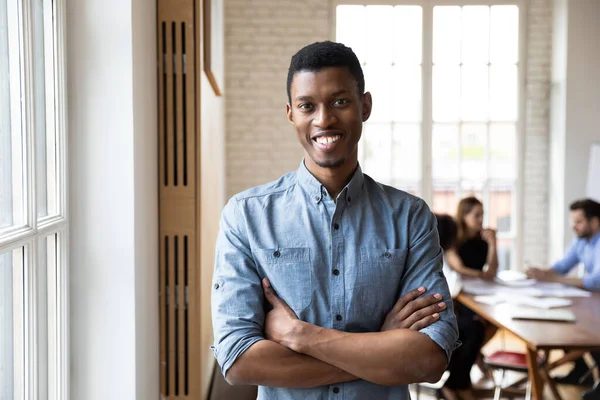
{"x": 298, "y": 354}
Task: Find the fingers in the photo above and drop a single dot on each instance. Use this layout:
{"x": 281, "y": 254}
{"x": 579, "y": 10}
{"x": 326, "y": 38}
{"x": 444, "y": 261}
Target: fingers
{"x": 407, "y": 298}
{"x": 425, "y": 316}
{"x": 425, "y": 322}
{"x": 270, "y": 294}
{"x": 416, "y": 306}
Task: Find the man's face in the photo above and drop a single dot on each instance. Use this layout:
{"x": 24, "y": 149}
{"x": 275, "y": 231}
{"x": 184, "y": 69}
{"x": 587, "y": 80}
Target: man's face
{"x": 581, "y": 226}
{"x": 328, "y": 112}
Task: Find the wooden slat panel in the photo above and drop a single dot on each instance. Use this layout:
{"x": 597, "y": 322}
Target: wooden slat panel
{"x": 181, "y": 350}
{"x": 178, "y": 199}
{"x": 163, "y": 315}
{"x": 162, "y": 145}
{"x": 171, "y": 317}
{"x": 178, "y": 98}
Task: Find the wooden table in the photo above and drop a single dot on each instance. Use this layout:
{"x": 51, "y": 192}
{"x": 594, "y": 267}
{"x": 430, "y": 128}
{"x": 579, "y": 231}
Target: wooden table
{"x": 584, "y": 334}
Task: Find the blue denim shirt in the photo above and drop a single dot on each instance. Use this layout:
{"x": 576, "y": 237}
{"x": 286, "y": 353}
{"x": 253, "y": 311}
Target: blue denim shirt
{"x": 586, "y": 252}
{"x": 338, "y": 264}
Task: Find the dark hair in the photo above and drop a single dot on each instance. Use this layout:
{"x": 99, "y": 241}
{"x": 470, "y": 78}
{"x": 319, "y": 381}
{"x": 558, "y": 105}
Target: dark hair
{"x": 319, "y": 55}
{"x": 447, "y": 230}
{"x": 590, "y": 208}
{"x": 465, "y": 206}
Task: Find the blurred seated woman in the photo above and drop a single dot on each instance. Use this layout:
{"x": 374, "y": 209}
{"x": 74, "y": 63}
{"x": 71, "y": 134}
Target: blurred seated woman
{"x": 471, "y": 331}
{"x": 474, "y": 254}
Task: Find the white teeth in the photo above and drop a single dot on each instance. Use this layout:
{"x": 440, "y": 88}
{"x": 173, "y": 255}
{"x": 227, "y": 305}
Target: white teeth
{"x": 328, "y": 139}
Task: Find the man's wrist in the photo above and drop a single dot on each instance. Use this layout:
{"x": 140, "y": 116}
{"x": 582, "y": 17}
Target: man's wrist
{"x": 299, "y": 336}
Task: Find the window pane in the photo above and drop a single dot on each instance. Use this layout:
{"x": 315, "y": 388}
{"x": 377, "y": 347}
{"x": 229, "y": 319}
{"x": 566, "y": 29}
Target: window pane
{"x": 407, "y": 25}
{"x": 11, "y": 145}
{"x": 506, "y": 253}
{"x": 377, "y": 81}
{"x": 44, "y": 108}
{"x": 503, "y": 150}
{"x": 378, "y": 152}
{"x": 11, "y": 324}
{"x": 406, "y": 93}
{"x": 503, "y": 93}
{"x": 445, "y": 152}
{"x": 476, "y": 28}
{"x": 500, "y": 207}
{"x": 379, "y": 35}
{"x": 446, "y": 35}
{"x": 446, "y": 93}
{"x": 444, "y": 199}
{"x": 504, "y": 35}
{"x": 350, "y": 29}
{"x": 406, "y": 156}
{"x": 473, "y": 149}
{"x": 474, "y": 93}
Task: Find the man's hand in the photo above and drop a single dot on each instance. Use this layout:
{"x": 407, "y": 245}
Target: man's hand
{"x": 544, "y": 275}
{"x": 412, "y": 312}
{"x": 281, "y": 321}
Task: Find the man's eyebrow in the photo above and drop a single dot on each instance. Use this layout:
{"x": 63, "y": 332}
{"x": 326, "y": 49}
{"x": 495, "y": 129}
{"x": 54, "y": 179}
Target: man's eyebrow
{"x": 334, "y": 94}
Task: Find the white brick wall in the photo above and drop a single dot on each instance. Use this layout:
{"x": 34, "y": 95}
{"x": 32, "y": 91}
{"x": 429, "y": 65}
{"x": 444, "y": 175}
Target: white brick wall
{"x": 537, "y": 135}
{"x": 260, "y": 38}
{"x": 262, "y": 35}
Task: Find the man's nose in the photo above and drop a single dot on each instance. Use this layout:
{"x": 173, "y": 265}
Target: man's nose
{"x": 324, "y": 117}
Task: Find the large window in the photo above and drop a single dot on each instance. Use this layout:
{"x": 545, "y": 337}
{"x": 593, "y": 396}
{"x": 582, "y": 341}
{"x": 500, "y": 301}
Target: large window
{"x": 33, "y": 223}
{"x": 445, "y": 84}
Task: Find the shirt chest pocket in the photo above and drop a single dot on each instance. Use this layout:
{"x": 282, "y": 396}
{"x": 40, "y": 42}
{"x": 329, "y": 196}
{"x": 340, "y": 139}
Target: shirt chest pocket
{"x": 290, "y": 273}
{"x": 380, "y": 271}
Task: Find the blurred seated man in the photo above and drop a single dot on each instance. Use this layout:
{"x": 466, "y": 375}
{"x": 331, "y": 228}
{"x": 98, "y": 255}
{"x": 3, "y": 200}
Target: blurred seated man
{"x": 585, "y": 249}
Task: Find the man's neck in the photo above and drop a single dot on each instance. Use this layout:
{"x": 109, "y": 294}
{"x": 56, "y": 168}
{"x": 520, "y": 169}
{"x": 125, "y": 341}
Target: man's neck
{"x": 334, "y": 179}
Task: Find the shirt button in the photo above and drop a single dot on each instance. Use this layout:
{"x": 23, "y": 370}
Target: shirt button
{"x": 317, "y": 198}
{"x": 387, "y": 254}
{"x": 336, "y": 272}
{"x": 276, "y": 254}
{"x": 338, "y": 317}
{"x": 336, "y": 390}
{"x": 216, "y": 286}
{"x": 336, "y": 226}
{"x": 349, "y": 199}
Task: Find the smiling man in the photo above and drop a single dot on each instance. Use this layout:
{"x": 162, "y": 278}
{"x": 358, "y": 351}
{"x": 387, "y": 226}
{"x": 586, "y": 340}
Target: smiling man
{"x": 319, "y": 281}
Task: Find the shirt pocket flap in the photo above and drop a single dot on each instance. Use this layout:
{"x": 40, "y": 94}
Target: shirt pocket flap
{"x": 387, "y": 256}
{"x": 289, "y": 255}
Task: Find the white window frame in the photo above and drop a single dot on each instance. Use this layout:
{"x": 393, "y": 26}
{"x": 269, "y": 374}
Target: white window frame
{"x": 426, "y": 186}
{"x": 34, "y": 229}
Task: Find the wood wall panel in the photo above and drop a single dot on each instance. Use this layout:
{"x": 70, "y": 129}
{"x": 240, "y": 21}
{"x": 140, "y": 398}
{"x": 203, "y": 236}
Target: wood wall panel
{"x": 191, "y": 196}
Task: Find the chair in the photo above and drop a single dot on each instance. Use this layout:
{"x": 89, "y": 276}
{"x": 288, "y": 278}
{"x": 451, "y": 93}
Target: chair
{"x": 509, "y": 361}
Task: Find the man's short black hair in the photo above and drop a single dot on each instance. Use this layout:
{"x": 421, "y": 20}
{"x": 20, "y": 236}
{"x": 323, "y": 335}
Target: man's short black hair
{"x": 319, "y": 55}
{"x": 589, "y": 207}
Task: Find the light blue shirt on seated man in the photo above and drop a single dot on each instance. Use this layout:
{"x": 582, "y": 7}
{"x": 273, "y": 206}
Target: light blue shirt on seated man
{"x": 587, "y": 252}
{"x": 338, "y": 264}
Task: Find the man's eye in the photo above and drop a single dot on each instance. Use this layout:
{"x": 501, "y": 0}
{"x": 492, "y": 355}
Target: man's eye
{"x": 305, "y": 106}
{"x": 340, "y": 102}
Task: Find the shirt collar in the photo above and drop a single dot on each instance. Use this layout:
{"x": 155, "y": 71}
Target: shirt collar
{"x": 316, "y": 190}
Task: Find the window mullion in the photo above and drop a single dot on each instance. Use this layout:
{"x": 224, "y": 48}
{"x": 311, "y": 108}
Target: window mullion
{"x": 28, "y": 114}
{"x": 427, "y": 111}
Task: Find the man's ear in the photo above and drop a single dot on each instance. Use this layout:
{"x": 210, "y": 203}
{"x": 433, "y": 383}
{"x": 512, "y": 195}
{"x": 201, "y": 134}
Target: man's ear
{"x": 288, "y": 111}
{"x": 367, "y": 106}
{"x": 595, "y": 222}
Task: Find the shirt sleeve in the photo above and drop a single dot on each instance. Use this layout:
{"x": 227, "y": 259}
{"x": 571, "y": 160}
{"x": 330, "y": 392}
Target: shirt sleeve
{"x": 570, "y": 260}
{"x": 237, "y": 296}
{"x": 591, "y": 280}
{"x": 423, "y": 267}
